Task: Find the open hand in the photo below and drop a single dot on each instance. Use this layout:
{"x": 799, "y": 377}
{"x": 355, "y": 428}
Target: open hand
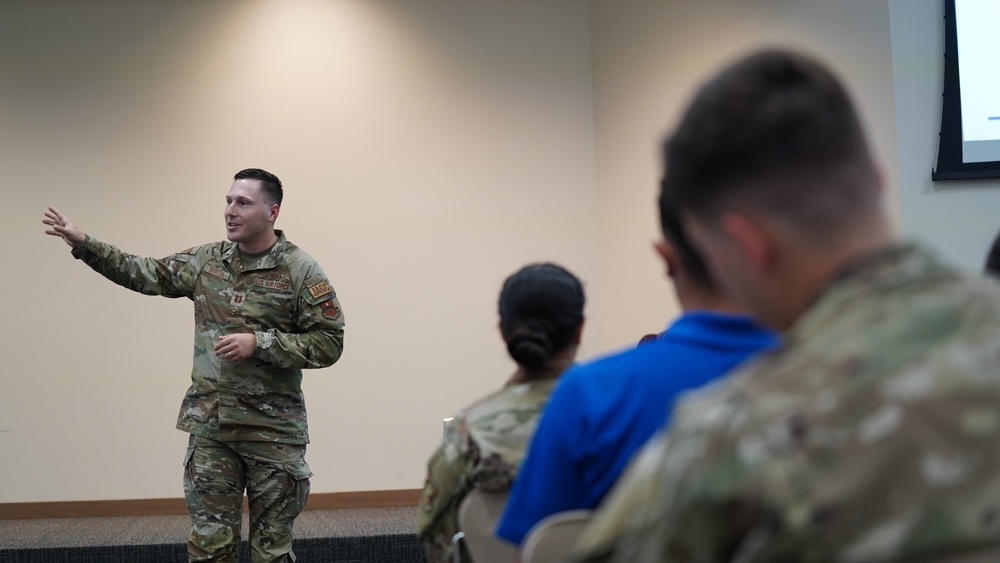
{"x": 63, "y": 228}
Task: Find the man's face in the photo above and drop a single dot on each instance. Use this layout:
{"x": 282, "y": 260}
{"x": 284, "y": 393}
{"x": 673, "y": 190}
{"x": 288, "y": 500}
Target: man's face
{"x": 249, "y": 218}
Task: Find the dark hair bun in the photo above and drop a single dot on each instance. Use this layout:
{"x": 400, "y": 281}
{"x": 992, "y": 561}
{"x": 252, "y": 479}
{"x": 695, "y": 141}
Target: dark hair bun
{"x": 529, "y": 344}
{"x": 541, "y": 308}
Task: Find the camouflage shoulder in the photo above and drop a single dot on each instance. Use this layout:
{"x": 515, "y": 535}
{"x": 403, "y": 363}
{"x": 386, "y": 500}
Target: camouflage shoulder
{"x": 701, "y": 405}
{"x": 299, "y": 261}
{"x": 201, "y": 253}
{"x": 983, "y": 294}
{"x": 508, "y": 409}
{"x": 626, "y": 505}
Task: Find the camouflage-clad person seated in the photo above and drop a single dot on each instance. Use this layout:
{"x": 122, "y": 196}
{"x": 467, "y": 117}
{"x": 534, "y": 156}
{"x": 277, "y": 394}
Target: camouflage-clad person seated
{"x": 872, "y": 434}
{"x": 541, "y": 319}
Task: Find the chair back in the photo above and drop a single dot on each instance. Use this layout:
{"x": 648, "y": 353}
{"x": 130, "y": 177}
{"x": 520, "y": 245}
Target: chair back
{"x": 550, "y": 540}
{"x": 477, "y": 518}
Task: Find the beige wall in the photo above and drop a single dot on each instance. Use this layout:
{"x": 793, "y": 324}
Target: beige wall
{"x": 648, "y": 57}
{"x": 428, "y": 150}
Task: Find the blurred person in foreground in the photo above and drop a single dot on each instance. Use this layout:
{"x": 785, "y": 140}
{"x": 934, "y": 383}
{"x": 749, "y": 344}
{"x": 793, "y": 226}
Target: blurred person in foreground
{"x": 264, "y": 310}
{"x": 541, "y": 321}
{"x": 872, "y": 434}
{"x": 603, "y": 411}
{"x": 992, "y": 266}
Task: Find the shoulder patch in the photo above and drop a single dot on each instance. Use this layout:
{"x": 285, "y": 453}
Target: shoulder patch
{"x": 184, "y": 255}
{"x": 320, "y": 289}
{"x": 330, "y": 309}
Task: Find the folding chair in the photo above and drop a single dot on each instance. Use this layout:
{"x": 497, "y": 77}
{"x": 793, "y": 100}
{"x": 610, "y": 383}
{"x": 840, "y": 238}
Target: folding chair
{"x": 551, "y": 539}
{"x": 477, "y": 518}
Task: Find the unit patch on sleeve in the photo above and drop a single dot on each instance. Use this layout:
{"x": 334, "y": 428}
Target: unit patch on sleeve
{"x": 330, "y": 309}
{"x": 320, "y": 289}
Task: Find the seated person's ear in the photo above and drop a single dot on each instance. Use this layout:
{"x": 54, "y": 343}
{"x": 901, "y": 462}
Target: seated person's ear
{"x": 669, "y": 256}
{"x": 751, "y": 238}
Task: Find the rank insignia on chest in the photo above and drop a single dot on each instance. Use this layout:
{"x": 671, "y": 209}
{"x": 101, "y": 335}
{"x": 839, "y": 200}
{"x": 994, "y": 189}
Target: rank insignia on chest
{"x": 239, "y": 298}
{"x": 330, "y": 310}
{"x": 320, "y": 289}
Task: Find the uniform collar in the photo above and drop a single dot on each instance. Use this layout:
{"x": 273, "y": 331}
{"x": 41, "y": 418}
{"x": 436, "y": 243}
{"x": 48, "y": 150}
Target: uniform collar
{"x": 231, "y": 253}
{"x": 553, "y": 370}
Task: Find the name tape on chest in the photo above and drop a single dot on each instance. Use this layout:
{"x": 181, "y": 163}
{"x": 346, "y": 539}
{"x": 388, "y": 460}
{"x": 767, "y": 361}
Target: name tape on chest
{"x": 320, "y": 289}
{"x": 272, "y": 284}
{"x": 217, "y": 272}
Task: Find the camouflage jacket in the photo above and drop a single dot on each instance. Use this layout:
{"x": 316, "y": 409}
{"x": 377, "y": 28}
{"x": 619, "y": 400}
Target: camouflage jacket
{"x": 284, "y": 298}
{"x": 483, "y": 447}
{"x": 871, "y": 436}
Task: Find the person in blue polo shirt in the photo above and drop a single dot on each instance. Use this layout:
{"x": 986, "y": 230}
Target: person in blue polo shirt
{"x": 602, "y": 412}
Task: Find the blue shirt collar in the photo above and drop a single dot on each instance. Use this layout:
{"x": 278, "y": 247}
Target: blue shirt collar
{"x": 721, "y": 330}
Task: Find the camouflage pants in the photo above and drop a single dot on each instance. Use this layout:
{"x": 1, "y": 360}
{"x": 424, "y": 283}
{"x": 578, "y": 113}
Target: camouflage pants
{"x": 276, "y": 480}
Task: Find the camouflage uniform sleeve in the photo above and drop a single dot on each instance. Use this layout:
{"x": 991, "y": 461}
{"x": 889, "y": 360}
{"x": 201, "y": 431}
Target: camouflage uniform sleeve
{"x": 449, "y": 479}
{"x": 638, "y": 483}
{"x": 683, "y": 502}
{"x": 172, "y": 276}
{"x": 691, "y": 521}
{"x": 319, "y": 340}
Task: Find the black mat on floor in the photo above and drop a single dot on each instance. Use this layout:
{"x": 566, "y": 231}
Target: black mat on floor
{"x": 402, "y": 548}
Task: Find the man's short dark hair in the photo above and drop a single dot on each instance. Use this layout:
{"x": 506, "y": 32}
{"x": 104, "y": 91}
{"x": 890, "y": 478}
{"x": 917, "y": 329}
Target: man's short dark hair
{"x": 776, "y": 130}
{"x": 690, "y": 261}
{"x": 270, "y": 185}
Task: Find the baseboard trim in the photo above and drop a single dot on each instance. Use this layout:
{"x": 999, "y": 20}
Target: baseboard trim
{"x": 169, "y": 506}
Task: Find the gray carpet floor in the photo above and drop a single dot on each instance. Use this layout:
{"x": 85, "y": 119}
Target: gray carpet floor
{"x": 140, "y": 530}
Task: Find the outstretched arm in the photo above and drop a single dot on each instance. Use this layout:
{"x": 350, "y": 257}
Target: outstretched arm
{"x": 63, "y": 228}
{"x": 170, "y": 277}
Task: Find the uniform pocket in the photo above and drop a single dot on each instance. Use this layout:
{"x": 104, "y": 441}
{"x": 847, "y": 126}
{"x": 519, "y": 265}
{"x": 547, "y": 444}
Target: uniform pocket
{"x": 295, "y": 493}
{"x": 298, "y": 469}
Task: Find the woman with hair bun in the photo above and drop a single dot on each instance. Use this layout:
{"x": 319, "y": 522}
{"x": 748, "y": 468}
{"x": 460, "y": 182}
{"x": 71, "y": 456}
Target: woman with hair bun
{"x": 541, "y": 320}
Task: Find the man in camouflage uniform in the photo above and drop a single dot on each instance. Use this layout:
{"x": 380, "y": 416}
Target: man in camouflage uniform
{"x": 483, "y": 448}
{"x": 872, "y": 434}
{"x": 264, "y": 310}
